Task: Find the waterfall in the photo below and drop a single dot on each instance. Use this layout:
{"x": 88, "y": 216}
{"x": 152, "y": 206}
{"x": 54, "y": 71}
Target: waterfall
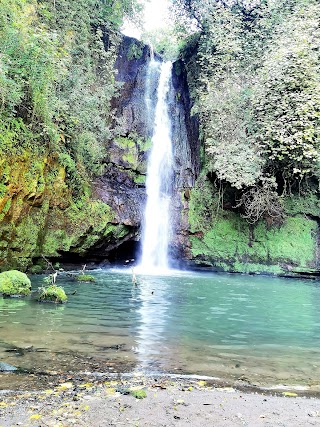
{"x": 156, "y": 227}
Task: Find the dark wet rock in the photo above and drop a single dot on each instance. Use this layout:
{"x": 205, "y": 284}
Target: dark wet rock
{"x": 123, "y": 390}
{"x": 132, "y": 67}
{"x": 126, "y": 201}
{"x": 113, "y": 347}
{"x": 186, "y": 146}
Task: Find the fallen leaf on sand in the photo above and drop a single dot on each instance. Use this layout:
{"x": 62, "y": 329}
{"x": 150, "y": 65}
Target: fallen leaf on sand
{"x": 35, "y": 417}
{"x": 202, "y": 383}
{"x": 64, "y": 386}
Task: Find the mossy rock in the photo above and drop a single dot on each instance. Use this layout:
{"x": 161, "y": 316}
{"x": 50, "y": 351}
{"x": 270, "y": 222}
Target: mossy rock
{"x": 14, "y": 282}
{"x": 85, "y": 278}
{"x": 55, "y": 294}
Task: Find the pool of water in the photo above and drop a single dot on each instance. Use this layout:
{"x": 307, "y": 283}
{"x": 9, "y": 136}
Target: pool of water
{"x": 261, "y": 330}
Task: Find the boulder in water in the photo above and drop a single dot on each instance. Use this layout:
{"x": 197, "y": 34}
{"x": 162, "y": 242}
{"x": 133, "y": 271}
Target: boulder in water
{"x": 14, "y": 283}
{"x": 53, "y": 293}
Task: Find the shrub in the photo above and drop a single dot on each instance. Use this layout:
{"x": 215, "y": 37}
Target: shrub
{"x": 14, "y": 282}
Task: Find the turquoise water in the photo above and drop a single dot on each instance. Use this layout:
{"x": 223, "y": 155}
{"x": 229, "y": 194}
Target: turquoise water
{"x": 258, "y": 329}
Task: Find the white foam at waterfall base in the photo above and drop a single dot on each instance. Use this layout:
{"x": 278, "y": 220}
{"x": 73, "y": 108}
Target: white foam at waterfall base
{"x": 156, "y": 227}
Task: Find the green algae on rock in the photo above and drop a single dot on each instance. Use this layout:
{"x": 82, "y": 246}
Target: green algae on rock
{"x": 85, "y": 278}
{"x": 223, "y": 240}
{"x": 231, "y": 244}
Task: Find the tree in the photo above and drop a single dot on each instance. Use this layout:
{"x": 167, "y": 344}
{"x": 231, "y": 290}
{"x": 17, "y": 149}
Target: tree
{"x": 258, "y": 90}
{"x": 286, "y": 97}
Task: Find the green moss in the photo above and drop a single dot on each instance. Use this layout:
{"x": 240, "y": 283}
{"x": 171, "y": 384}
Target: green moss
{"x": 132, "y": 159}
{"x": 125, "y": 143}
{"x": 131, "y": 152}
{"x": 39, "y": 217}
{"x": 145, "y": 144}
{"x": 203, "y": 205}
{"x": 227, "y": 244}
{"x": 54, "y": 241}
{"x": 3, "y": 190}
{"x": 307, "y": 205}
{"x": 140, "y": 179}
{"x": 14, "y": 282}
{"x": 257, "y": 268}
{"x": 85, "y": 278}
{"x": 138, "y": 394}
{"x": 5, "y": 208}
{"x": 25, "y": 237}
{"x": 54, "y": 294}
{"x": 77, "y": 228}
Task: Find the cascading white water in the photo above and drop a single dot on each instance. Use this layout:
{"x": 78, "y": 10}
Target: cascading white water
{"x": 156, "y": 230}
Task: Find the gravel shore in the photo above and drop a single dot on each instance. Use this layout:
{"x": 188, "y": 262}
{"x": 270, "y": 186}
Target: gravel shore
{"x": 162, "y": 402}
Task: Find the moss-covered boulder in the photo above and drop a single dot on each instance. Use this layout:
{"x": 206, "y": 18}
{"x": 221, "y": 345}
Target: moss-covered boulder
{"x": 14, "y": 282}
{"x": 55, "y": 294}
{"x": 85, "y": 278}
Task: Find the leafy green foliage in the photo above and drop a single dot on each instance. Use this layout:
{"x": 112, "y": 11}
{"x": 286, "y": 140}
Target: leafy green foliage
{"x": 230, "y": 155}
{"x": 223, "y": 97}
{"x": 57, "y": 79}
{"x": 135, "y": 50}
{"x": 286, "y": 96}
{"x": 258, "y": 88}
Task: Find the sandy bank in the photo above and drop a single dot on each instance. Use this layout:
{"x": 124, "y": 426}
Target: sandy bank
{"x": 181, "y": 402}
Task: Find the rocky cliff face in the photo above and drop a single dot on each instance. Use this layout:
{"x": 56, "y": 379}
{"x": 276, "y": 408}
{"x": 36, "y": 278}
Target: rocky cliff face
{"x": 122, "y": 186}
{"x": 39, "y": 215}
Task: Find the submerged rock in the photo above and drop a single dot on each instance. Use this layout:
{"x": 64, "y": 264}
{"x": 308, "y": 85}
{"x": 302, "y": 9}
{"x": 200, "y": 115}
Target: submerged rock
{"x": 5, "y": 367}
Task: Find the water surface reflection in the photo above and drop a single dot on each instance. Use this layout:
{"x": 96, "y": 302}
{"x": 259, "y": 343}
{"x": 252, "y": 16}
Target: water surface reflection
{"x": 263, "y": 329}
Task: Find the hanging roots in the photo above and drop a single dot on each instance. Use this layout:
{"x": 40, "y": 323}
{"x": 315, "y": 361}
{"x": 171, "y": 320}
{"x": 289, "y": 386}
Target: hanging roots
{"x": 262, "y": 202}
